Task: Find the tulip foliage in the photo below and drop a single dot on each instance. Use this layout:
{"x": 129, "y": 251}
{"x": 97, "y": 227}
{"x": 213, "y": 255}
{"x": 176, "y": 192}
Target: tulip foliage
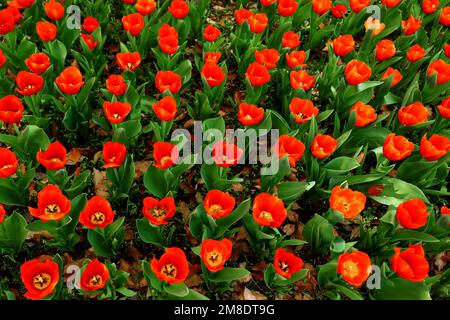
{"x": 98, "y": 199}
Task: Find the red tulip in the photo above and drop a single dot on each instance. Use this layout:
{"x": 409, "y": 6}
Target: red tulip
{"x": 355, "y": 267}
{"x": 347, "y": 201}
{"x": 430, "y": 6}
{"x": 54, "y": 10}
{"x": 114, "y": 154}
{"x": 385, "y": 49}
{"x": 94, "y": 277}
{"x": 396, "y": 148}
{"x": 46, "y": 31}
{"x": 287, "y": 8}
{"x": 411, "y": 25}
{"x": 179, "y": 9}
{"x": 444, "y": 19}
{"x": 286, "y": 263}
{"x": 411, "y": 264}
{"x": 2, "y": 213}
{"x": 90, "y": 24}
{"x": 29, "y": 83}
{"x": 242, "y": 15}
{"x": 145, "y": 7}
{"x": 97, "y": 213}
{"x": 412, "y": 214}
{"x": 158, "y": 212}
{"x": 269, "y": 210}
{"x": 218, "y": 204}
{"x": 38, "y": 63}
{"x": 290, "y": 147}
{"x": 397, "y": 76}
{"x": 358, "y": 5}
{"x": 168, "y": 39}
{"x": 116, "y": 85}
{"x": 226, "y": 154}
{"x": 257, "y": 74}
{"x": 54, "y": 158}
{"x": 302, "y": 110}
{"x": 211, "y": 33}
{"x": 8, "y": 163}
{"x": 290, "y": 40}
{"x": 40, "y": 278}
{"x": 89, "y": 41}
{"x": 296, "y": 59}
{"x": 415, "y": 53}
{"x": 133, "y": 23}
{"x": 128, "y": 60}
{"x": 365, "y": 114}
{"x": 52, "y": 204}
{"x": 165, "y": 154}
{"x": 357, "y": 72}
{"x": 321, "y": 6}
{"x": 213, "y": 74}
{"x": 168, "y": 80}
{"x": 443, "y": 108}
{"x": 166, "y": 108}
{"x": 339, "y": 10}
{"x": 434, "y": 148}
{"x": 258, "y": 22}
{"x": 301, "y": 80}
{"x": 215, "y": 253}
{"x": 7, "y": 22}
{"x": 343, "y": 45}
{"x": 172, "y": 266}
{"x": 11, "y": 109}
{"x": 267, "y": 57}
{"x": 413, "y": 114}
{"x": 70, "y": 80}
{"x": 323, "y": 146}
{"x": 441, "y": 68}
{"x": 250, "y": 114}
{"x": 116, "y": 112}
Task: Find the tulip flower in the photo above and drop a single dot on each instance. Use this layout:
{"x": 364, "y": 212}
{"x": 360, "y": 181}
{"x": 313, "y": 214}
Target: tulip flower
{"x": 396, "y": 148}
{"x": 38, "y": 63}
{"x": 269, "y": 210}
{"x": 348, "y": 202}
{"x": 97, "y": 213}
{"x": 215, "y": 253}
{"x": 54, "y": 158}
{"x": 172, "y": 267}
{"x": 411, "y": 263}
{"x": 354, "y": 267}
{"x": 286, "y": 263}
{"x": 52, "y": 204}
{"x": 218, "y": 204}
{"x": 39, "y": 278}
{"x": 412, "y": 214}
{"x": 158, "y": 212}
{"x": 8, "y": 163}
{"x": 11, "y": 109}
{"x": 94, "y": 277}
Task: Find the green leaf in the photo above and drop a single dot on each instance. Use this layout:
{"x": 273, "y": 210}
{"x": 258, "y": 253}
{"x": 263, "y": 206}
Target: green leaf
{"x": 225, "y": 223}
{"x": 177, "y": 289}
{"x": 148, "y": 233}
{"x": 293, "y": 279}
{"x": 292, "y": 191}
{"x": 229, "y": 274}
{"x": 413, "y": 236}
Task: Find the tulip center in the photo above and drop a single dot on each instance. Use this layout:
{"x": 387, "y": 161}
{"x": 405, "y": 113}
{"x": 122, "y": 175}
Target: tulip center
{"x": 284, "y": 266}
{"x": 215, "y": 208}
{"x": 165, "y": 160}
{"x": 52, "y": 209}
{"x": 129, "y": 65}
{"x": 169, "y": 270}
{"x": 96, "y": 280}
{"x": 215, "y": 258}
{"x": 28, "y": 87}
{"x": 41, "y": 281}
{"x": 266, "y": 215}
{"x": 301, "y": 115}
{"x": 158, "y": 213}
{"x": 98, "y": 218}
{"x": 7, "y": 166}
{"x": 116, "y": 116}
{"x": 351, "y": 268}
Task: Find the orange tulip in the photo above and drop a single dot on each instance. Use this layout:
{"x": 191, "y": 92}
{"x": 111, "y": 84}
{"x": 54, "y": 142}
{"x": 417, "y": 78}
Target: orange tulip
{"x": 133, "y": 23}
{"x": 116, "y": 85}
{"x": 321, "y": 6}
{"x": 257, "y": 74}
{"x": 145, "y": 7}
{"x": 412, "y": 214}
{"x": 434, "y": 148}
{"x": 442, "y": 69}
{"x": 98, "y": 213}
{"x": 365, "y": 114}
{"x": 168, "y": 39}
{"x": 357, "y": 72}
{"x": 116, "y": 112}
{"x": 250, "y": 114}
{"x": 301, "y": 80}
{"x": 385, "y": 49}
{"x": 290, "y": 40}
{"x": 411, "y": 264}
{"x": 444, "y": 19}
{"x": 52, "y": 204}
{"x": 128, "y": 60}
{"x": 218, "y": 204}
{"x": 348, "y": 202}
{"x": 396, "y": 148}
{"x": 226, "y": 154}
{"x": 323, "y": 146}
{"x": 269, "y": 210}
{"x": 413, "y": 114}
{"x": 411, "y": 25}
{"x": 70, "y": 80}
{"x": 286, "y": 263}
{"x": 211, "y": 33}
{"x": 397, "y": 76}
{"x": 430, "y": 6}
{"x": 168, "y": 80}
{"x": 46, "y": 31}
{"x": 54, "y": 158}
{"x": 40, "y": 278}
{"x": 213, "y": 57}
{"x": 54, "y": 10}
{"x": 354, "y": 267}
{"x": 258, "y": 22}
{"x": 172, "y": 267}
{"x": 166, "y": 108}
{"x": 290, "y": 147}
{"x": 415, "y": 53}
{"x": 287, "y": 8}
{"x": 296, "y": 59}
{"x": 443, "y": 108}
{"x": 158, "y": 212}
{"x": 179, "y": 9}
{"x": 267, "y": 57}
{"x": 343, "y": 45}
{"x": 302, "y": 110}
{"x": 242, "y": 15}
{"x": 215, "y": 253}
{"x": 374, "y": 25}
{"x": 94, "y": 277}
{"x": 90, "y": 24}
{"x": 358, "y": 5}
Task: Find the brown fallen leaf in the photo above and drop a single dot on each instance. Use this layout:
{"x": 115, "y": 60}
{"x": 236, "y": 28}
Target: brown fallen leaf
{"x": 253, "y": 295}
{"x": 140, "y": 168}
{"x": 100, "y": 183}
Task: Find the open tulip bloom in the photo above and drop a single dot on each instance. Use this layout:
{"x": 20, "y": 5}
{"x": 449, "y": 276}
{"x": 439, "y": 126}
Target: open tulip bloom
{"x": 193, "y": 150}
